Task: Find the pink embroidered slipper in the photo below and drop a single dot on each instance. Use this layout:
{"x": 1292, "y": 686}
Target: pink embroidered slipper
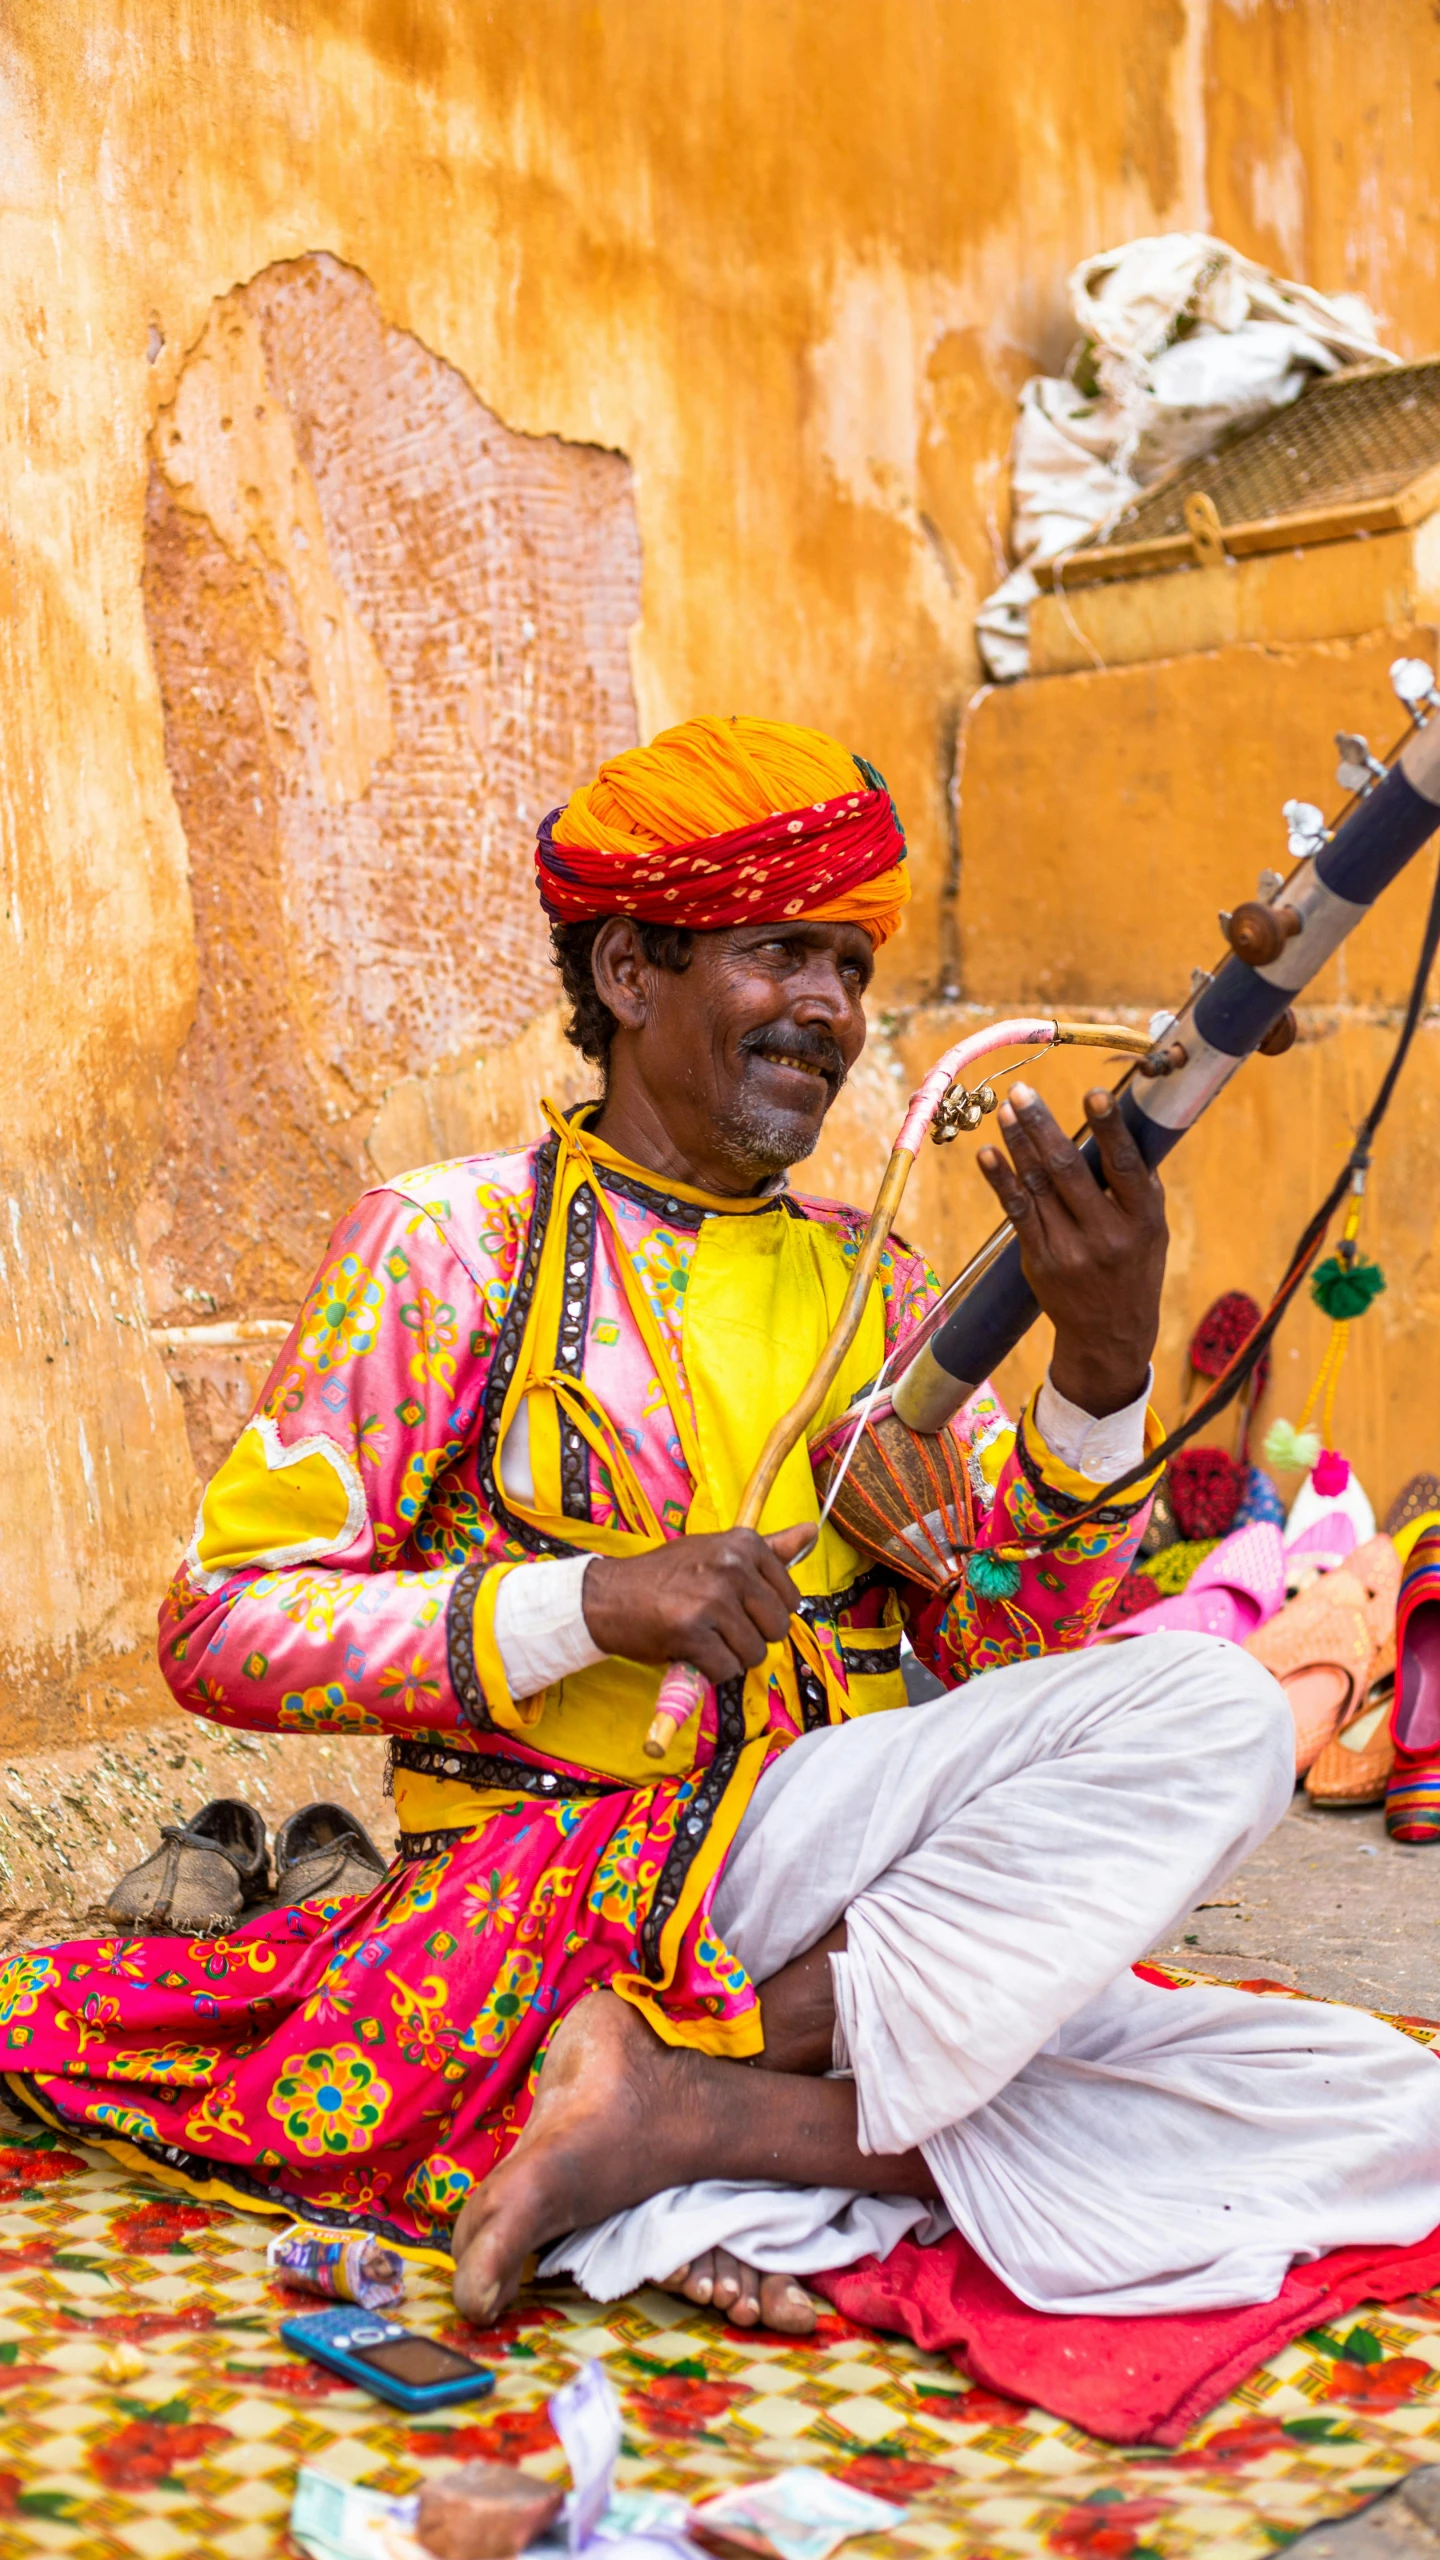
{"x": 1415, "y": 1509}
{"x": 1232, "y": 1593}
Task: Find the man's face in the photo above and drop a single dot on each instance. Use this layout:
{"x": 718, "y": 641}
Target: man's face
{"x": 745, "y": 1050}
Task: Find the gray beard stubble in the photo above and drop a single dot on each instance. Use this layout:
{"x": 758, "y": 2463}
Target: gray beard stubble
{"x": 765, "y": 1141}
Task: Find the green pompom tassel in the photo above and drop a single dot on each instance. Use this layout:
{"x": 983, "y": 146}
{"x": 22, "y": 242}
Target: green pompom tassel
{"x": 992, "y": 1577}
{"x": 1345, "y": 1289}
{"x": 1293, "y": 1452}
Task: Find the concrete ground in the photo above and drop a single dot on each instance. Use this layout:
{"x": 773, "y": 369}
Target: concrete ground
{"x": 1405, "y": 2525}
{"x": 1329, "y": 1905}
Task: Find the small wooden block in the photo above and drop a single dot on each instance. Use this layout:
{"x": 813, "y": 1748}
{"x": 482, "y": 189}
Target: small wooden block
{"x": 484, "y": 2511}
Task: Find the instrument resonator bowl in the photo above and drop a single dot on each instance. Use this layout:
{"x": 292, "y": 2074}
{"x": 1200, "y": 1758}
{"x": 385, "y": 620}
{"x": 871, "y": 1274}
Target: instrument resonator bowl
{"x": 906, "y": 1500}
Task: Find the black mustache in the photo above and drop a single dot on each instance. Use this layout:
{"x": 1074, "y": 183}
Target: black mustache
{"x": 816, "y": 1048}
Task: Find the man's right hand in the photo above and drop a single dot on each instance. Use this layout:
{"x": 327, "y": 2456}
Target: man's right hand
{"x": 718, "y": 1601}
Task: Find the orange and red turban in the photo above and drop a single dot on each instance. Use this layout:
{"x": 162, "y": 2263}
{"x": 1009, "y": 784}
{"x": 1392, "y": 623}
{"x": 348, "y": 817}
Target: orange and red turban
{"x": 722, "y": 822}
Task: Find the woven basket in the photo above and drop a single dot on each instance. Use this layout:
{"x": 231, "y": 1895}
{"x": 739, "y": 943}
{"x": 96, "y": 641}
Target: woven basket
{"x": 1359, "y": 452}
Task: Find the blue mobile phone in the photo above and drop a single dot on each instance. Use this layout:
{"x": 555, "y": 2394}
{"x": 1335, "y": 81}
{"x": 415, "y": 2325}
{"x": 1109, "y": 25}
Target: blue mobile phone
{"x": 398, "y": 2365}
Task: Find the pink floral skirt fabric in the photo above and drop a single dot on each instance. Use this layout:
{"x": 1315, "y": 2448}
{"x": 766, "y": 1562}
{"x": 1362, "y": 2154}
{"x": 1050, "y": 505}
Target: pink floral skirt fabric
{"x": 365, "y": 2060}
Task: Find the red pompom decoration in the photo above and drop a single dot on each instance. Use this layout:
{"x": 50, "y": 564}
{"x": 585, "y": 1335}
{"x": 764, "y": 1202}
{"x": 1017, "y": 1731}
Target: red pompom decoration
{"x": 1134, "y": 1592}
{"x": 1330, "y": 1473}
{"x": 1206, "y": 1490}
{"x": 1221, "y": 1332}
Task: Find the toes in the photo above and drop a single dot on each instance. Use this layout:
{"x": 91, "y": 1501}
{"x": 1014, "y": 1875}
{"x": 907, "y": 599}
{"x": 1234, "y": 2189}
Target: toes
{"x": 729, "y": 2282}
{"x": 699, "y": 2284}
{"x": 742, "y": 2296}
{"x": 486, "y": 2276}
{"x": 785, "y": 2305}
{"x": 744, "y": 2305}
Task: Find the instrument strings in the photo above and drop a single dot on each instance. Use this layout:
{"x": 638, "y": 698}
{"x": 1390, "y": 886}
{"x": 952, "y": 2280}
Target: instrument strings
{"x": 876, "y": 1389}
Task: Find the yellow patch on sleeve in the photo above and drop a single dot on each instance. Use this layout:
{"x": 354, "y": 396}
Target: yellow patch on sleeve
{"x": 277, "y": 1506}
{"x": 991, "y": 1454}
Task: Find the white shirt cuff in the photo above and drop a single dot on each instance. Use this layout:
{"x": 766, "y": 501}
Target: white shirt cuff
{"x": 1100, "y": 1450}
{"x": 540, "y": 1625}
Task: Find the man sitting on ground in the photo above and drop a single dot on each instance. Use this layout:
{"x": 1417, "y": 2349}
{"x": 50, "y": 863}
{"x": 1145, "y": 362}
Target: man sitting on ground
{"x": 831, "y": 1972}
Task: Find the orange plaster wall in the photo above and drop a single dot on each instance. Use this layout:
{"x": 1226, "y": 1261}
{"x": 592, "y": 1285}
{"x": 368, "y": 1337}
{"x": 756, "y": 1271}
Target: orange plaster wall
{"x": 1322, "y": 131}
{"x": 777, "y": 269}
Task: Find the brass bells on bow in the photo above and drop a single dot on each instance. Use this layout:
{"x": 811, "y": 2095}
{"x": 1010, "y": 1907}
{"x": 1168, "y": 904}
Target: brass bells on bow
{"x": 959, "y": 1109}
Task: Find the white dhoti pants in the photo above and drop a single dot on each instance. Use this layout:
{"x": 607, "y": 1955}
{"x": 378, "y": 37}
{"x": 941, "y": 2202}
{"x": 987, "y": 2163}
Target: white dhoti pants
{"x": 1001, "y": 1857}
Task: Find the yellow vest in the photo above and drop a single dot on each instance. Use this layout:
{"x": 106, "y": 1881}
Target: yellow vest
{"x": 763, "y": 1291}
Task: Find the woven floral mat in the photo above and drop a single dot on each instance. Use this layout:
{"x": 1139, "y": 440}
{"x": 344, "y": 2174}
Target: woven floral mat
{"x": 148, "y": 2410}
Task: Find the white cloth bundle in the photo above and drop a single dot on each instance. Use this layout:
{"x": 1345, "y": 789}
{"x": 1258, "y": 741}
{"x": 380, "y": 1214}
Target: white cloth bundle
{"x": 1181, "y": 337}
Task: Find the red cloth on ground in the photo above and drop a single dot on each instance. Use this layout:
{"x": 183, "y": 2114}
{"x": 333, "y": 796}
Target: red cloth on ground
{"x": 1146, "y": 2379}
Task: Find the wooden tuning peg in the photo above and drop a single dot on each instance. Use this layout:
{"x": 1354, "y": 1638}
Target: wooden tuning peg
{"x": 1282, "y": 1035}
{"x": 1258, "y": 934}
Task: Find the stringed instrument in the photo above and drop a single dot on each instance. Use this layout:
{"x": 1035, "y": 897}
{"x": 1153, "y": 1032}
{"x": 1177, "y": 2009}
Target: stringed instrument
{"x": 891, "y": 1470}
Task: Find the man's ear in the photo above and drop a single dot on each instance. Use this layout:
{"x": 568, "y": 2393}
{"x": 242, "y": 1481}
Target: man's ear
{"x": 623, "y": 976}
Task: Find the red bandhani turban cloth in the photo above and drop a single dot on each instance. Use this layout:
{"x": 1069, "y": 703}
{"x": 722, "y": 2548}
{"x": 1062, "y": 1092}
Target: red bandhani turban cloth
{"x": 724, "y": 822}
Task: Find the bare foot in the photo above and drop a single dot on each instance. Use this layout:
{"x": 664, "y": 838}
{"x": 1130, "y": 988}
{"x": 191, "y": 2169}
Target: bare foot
{"x": 619, "y": 2116}
{"x": 752, "y": 2300}
{"x": 601, "y": 2096}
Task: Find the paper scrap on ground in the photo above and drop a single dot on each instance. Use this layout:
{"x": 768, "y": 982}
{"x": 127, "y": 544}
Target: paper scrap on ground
{"x": 801, "y": 2514}
{"x": 638, "y": 2524}
{"x": 644, "y": 2524}
{"x": 334, "y": 2520}
{"x": 586, "y": 2418}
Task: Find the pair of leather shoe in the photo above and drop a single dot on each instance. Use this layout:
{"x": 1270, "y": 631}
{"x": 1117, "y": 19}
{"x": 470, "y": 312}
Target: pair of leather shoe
{"x": 208, "y": 1872}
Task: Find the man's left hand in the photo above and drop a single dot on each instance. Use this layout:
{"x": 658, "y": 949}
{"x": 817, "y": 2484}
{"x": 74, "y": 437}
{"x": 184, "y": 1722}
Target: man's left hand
{"x": 1094, "y": 1258}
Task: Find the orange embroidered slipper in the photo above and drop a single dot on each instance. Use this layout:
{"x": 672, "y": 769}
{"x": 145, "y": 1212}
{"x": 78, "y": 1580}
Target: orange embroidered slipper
{"x": 1377, "y": 1565}
{"x": 1355, "y": 1768}
{"x": 1323, "y": 1645}
{"x": 1412, "y": 1799}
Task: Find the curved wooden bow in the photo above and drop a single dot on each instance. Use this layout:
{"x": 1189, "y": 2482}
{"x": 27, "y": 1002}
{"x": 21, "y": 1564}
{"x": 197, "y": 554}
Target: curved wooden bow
{"x": 683, "y": 1688}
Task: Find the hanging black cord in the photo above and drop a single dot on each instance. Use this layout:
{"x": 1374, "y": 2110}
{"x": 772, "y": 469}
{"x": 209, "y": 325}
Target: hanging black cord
{"x": 1247, "y": 1359}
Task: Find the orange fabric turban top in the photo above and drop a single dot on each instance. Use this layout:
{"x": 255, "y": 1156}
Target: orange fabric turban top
{"x": 721, "y": 822}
